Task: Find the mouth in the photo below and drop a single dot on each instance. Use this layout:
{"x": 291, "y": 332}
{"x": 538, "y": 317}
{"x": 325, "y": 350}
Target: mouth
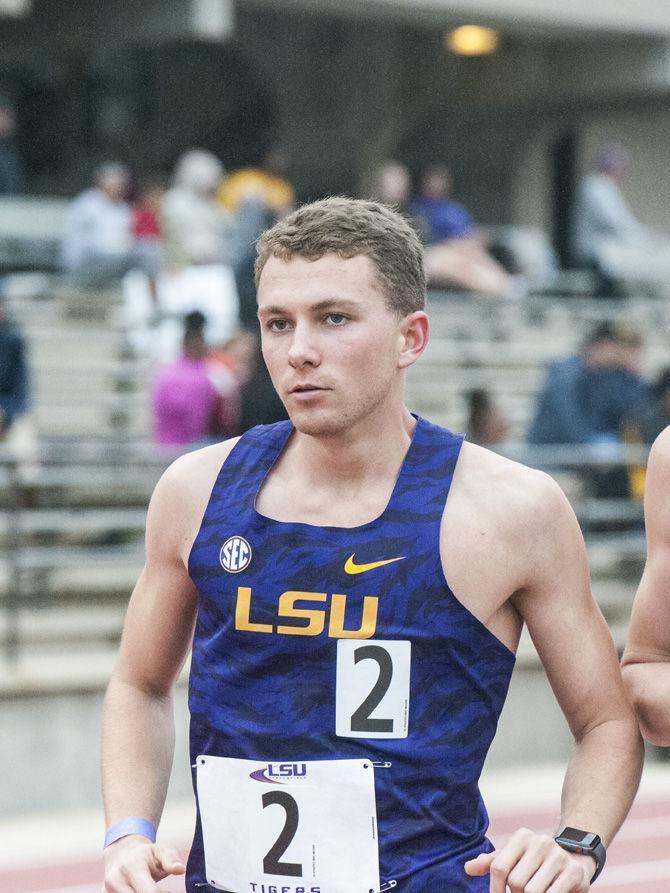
{"x": 306, "y": 389}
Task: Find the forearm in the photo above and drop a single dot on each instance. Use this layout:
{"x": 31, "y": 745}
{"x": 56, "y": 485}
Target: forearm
{"x": 137, "y": 752}
{"x": 602, "y": 778}
{"x": 648, "y": 687}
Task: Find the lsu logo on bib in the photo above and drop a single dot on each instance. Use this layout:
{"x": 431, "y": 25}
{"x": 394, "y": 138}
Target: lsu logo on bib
{"x": 235, "y": 555}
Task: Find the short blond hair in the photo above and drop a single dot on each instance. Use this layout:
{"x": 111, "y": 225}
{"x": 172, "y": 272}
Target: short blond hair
{"x": 349, "y": 227}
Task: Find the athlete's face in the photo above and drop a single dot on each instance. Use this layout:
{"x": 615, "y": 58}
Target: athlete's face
{"x": 333, "y": 348}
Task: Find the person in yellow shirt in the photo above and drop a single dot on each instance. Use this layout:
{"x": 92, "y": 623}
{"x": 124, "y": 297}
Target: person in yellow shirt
{"x": 267, "y": 182}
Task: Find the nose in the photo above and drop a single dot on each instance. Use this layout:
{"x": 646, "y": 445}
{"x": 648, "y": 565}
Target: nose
{"x": 303, "y": 350}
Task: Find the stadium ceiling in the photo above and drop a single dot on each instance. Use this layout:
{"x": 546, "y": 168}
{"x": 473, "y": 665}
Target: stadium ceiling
{"x": 534, "y": 17}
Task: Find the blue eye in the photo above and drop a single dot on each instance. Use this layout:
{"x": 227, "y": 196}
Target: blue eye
{"x": 278, "y": 325}
{"x": 337, "y": 319}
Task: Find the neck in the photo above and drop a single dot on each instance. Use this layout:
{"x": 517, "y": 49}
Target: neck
{"x": 371, "y": 450}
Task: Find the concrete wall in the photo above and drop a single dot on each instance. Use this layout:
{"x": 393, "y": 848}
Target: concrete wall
{"x": 50, "y": 745}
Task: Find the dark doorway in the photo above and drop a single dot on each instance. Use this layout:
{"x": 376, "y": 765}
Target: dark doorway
{"x": 564, "y": 186}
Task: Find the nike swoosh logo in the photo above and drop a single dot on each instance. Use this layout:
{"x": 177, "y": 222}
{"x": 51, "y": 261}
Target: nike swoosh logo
{"x": 350, "y": 567}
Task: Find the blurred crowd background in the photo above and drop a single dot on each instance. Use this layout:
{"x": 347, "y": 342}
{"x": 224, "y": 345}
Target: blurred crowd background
{"x": 144, "y": 146}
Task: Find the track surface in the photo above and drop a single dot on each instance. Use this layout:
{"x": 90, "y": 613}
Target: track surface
{"x": 638, "y": 860}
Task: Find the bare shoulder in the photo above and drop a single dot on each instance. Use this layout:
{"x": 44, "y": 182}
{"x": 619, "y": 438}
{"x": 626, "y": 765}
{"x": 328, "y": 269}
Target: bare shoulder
{"x": 656, "y": 490}
{"x": 182, "y": 493}
{"x": 513, "y": 495}
{"x": 659, "y": 456}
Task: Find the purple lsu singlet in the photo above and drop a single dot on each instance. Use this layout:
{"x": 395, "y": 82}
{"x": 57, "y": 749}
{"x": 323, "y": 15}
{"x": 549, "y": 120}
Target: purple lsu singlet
{"x": 343, "y": 645}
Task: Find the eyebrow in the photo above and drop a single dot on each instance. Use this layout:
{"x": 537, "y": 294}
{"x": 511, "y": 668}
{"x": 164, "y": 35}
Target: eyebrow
{"x": 326, "y": 304}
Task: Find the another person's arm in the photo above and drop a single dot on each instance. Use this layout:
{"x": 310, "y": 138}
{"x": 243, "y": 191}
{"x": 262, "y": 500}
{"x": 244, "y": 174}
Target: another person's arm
{"x": 576, "y": 649}
{"x": 138, "y": 725}
{"x": 646, "y": 660}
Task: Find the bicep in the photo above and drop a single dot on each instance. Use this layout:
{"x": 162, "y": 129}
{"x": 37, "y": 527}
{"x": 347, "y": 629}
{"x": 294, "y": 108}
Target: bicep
{"x": 161, "y": 614}
{"x": 158, "y": 630}
{"x": 649, "y": 632}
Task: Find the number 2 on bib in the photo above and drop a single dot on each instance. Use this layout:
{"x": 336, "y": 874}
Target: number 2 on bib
{"x": 372, "y": 688}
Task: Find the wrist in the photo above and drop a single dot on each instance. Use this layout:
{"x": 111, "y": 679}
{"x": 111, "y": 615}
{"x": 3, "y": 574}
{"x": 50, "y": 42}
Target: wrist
{"x": 584, "y": 845}
{"x": 130, "y": 825}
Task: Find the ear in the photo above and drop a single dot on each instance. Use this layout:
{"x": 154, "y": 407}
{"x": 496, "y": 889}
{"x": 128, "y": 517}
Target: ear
{"x": 414, "y": 331}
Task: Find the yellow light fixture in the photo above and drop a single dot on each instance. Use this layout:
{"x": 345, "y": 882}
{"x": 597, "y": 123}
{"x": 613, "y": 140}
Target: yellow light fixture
{"x": 472, "y": 40}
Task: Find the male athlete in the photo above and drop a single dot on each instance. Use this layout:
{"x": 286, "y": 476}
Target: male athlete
{"x": 353, "y": 584}
{"x": 646, "y": 660}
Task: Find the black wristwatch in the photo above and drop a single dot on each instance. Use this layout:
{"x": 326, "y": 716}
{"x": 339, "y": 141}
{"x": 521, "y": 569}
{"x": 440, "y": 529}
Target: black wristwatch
{"x": 585, "y": 844}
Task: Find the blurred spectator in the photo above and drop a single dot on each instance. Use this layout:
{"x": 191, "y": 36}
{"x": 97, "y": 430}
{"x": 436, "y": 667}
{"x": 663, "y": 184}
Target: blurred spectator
{"x": 589, "y": 397}
{"x": 16, "y": 427}
{"x": 487, "y": 424}
{"x": 603, "y": 219}
{"x": 257, "y": 196}
{"x": 187, "y": 407}
{"x": 267, "y": 182}
{"x": 261, "y": 404}
{"x": 608, "y": 238}
{"x": 200, "y": 248}
{"x": 230, "y": 368}
{"x": 197, "y": 230}
{"x": 657, "y": 414}
{"x": 146, "y": 227}
{"x": 594, "y": 399}
{"x": 14, "y": 387}
{"x": 11, "y": 172}
{"x": 98, "y": 246}
{"x": 147, "y": 210}
{"x": 393, "y": 185}
{"x": 456, "y": 250}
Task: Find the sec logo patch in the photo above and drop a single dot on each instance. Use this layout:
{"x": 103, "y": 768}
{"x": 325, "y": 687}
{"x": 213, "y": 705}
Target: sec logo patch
{"x": 235, "y": 555}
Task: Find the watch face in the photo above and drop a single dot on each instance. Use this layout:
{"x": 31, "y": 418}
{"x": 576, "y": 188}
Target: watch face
{"x": 574, "y": 835}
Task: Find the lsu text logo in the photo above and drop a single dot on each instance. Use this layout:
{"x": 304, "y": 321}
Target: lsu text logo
{"x": 301, "y": 620}
{"x": 235, "y": 555}
{"x": 274, "y": 772}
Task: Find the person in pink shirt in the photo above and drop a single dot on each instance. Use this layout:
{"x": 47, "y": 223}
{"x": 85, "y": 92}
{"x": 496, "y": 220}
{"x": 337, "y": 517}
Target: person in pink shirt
{"x": 185, "y": 400}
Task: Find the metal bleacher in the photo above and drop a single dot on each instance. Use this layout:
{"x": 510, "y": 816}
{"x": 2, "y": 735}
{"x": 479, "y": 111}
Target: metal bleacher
{"x": 71, "y": 531}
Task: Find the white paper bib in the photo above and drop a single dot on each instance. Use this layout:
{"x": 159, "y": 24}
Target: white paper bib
{"x": 291, "y": 827}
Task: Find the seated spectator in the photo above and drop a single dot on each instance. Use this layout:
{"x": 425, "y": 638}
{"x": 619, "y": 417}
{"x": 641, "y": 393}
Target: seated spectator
{"x": 657, "y": 413}
{"x": 16, "y": 427}
{"x": 267, "y": 182}
{"x": 98, "y": 247}
{"x": 587, "y": 397}
{"x": 456, "y": 250}
{"x": 200, "y": 249}
{"x": 187, "y": 406}
{"x": 197, "y": 230}
{"x": 14, "y": 388}
{"x": 487, "y": 425}
{"x": 393, "y": 185}
{"x": 592, "y": 399}
{"x": 607, "y": 236}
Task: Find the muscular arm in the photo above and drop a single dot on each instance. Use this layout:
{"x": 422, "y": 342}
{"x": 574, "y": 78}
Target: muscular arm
{"x": 646, "y": 660}
{"x": 577, "y": 651}
{"x": 138, "y": 724}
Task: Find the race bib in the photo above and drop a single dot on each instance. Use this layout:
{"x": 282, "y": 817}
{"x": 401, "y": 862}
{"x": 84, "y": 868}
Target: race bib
{"x": 291, "y": 827}
{"x": 372, "y": 688}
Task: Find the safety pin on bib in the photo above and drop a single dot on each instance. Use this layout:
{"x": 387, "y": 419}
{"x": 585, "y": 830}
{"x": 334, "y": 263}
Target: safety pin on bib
{"x": 389, "y": 885}
{"x": 381, "y": 765}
